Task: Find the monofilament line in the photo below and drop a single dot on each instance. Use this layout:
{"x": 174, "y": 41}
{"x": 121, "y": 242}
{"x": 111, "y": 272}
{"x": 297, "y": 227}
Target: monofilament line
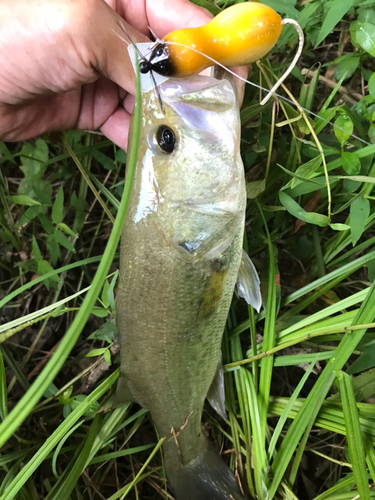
{"x": 301, "y": 41}
{"x": 285, "y": 99}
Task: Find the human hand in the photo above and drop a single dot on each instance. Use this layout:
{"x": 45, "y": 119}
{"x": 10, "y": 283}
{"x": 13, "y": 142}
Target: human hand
{"x": 63, "y": 67}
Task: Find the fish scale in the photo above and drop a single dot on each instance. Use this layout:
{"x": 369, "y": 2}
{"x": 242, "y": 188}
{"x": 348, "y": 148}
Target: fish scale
{"x": 181, "y": 251}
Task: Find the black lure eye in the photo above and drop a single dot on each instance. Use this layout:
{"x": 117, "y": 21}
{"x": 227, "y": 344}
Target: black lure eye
{"x": 166, "y": 139}
{"x": 144, "y": 67}
{"x": 158, "y": 52}
{"x": 161, "y": 68}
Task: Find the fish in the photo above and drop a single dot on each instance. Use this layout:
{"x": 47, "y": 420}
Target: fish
{"x": 181, "y": 256}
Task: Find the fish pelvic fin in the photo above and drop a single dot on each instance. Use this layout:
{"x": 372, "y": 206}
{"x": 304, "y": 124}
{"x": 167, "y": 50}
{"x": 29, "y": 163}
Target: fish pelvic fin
{"x": 216, "y": 392}
{"x": 206, "y": 478}
{"x": 248, "y": 283}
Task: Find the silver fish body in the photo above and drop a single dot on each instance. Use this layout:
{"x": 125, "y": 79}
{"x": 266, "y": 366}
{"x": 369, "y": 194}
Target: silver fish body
{"x": 180, "y": 256}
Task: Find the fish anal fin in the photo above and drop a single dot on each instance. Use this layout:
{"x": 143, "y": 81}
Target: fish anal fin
{"x": 248, "y": 283}
{"x": 216, "y": 392}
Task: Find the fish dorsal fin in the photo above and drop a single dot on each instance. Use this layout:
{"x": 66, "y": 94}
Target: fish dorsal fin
{"x": 248, "y": 283}
{"x": 216, "y": 393}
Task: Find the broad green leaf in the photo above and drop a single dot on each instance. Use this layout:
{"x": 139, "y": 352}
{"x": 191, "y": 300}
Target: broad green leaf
{"x": 96, "y": 352}
{"x": 249, "y": 112}
{"x": 255, "y": 188}
{"x": 34, "y": 162}
{"x": 107, "y": 357}
{"x": 63, "y": 240}
{"x": 307, "y": 169}
{"x": 111, "y": 295}
{"x": 6, "y": 153}
{"x": 347, "y": 67}
{"x": 324, "y": 119}
{"x": 297, "y": 211}
{"x": 45, "y": 267}
{"x": 365, "y": 37}
{"x": 365, "y": 361}
{"x": 30, "y": 214}
{"x": 34, "y": 159}
{"x": 100, "y": 312}
{"x": 120, "y": 156}
{"x": 53, "y": 249}
{"x": 108, "y": 332}
{"x": 343, "y": 129}
{"x": 47, "y": 224}
{"x": 359, "y": 212}
{"x": 66, "y": 229}
{"x": 336, "y": 12}
{"x": 58, "y": 207}
{"x": 36, "y": 251}
{"x": 78, "y": 203}
{"x": 78, "y": 400}
{"x": 350, "y": 163}
{"x": 366, "y": 15}
{"x": 339, "y": 227}
{"x": 104, "y": 297}
{"x": 65, "y": 396}
{"x": 371, "y": 86}
{"x": 23, "y": 199}
{"x": 103, "y": 159}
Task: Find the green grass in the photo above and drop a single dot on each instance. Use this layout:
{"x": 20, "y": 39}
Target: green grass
{"x": 300, "y": 375}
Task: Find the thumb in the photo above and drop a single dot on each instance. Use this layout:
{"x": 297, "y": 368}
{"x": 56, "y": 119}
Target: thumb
{"x": 104, "y": 45}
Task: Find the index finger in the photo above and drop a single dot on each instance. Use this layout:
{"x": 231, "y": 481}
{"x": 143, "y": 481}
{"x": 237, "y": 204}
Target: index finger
{"x": 165, "y": 15}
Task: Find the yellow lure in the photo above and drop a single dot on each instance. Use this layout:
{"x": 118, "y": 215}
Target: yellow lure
{"x": 239, "y": 35}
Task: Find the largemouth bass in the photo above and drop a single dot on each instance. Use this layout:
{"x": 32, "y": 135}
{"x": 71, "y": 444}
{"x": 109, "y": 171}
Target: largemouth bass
{"x": 181, "y": 253}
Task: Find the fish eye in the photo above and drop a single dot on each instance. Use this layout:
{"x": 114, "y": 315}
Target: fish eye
{"x": 165, "y": 139}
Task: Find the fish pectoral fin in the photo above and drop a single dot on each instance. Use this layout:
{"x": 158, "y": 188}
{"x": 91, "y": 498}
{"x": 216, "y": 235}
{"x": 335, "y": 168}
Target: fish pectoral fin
{"x": 248, "y": 283}
{"x": 216, "y": 392}
{"x": 123, "y": 392}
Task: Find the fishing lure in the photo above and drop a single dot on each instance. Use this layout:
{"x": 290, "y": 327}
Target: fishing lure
{"x": 238, "y": 36}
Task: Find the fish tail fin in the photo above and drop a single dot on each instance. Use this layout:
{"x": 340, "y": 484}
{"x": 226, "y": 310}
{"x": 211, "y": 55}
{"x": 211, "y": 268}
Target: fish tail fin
{"x": 206, "y": 477}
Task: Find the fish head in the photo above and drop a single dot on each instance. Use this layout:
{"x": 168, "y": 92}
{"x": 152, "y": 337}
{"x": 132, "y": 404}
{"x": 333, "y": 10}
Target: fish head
{"x": 192, "y": 174}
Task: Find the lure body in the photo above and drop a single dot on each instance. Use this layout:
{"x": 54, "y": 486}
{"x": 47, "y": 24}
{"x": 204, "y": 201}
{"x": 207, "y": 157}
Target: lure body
{"x": 237, "y": 36}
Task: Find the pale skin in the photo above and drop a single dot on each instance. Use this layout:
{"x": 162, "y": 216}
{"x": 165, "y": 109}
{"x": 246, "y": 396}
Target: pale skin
{"x": 63, "y": 67}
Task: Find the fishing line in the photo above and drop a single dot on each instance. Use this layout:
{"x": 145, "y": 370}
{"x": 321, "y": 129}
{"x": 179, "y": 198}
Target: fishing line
{"x": 142, "y": 58}
{"x": 268, "y": 91}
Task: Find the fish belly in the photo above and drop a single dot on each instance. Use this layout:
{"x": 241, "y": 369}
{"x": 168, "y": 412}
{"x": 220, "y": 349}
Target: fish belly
{"x": 171, "y": 316}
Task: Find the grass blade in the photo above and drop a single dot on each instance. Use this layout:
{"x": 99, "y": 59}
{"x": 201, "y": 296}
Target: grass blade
{"x": 354, "y": 434}
{"x": 26, "y": 404}
{"x": 317, "y": 395}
